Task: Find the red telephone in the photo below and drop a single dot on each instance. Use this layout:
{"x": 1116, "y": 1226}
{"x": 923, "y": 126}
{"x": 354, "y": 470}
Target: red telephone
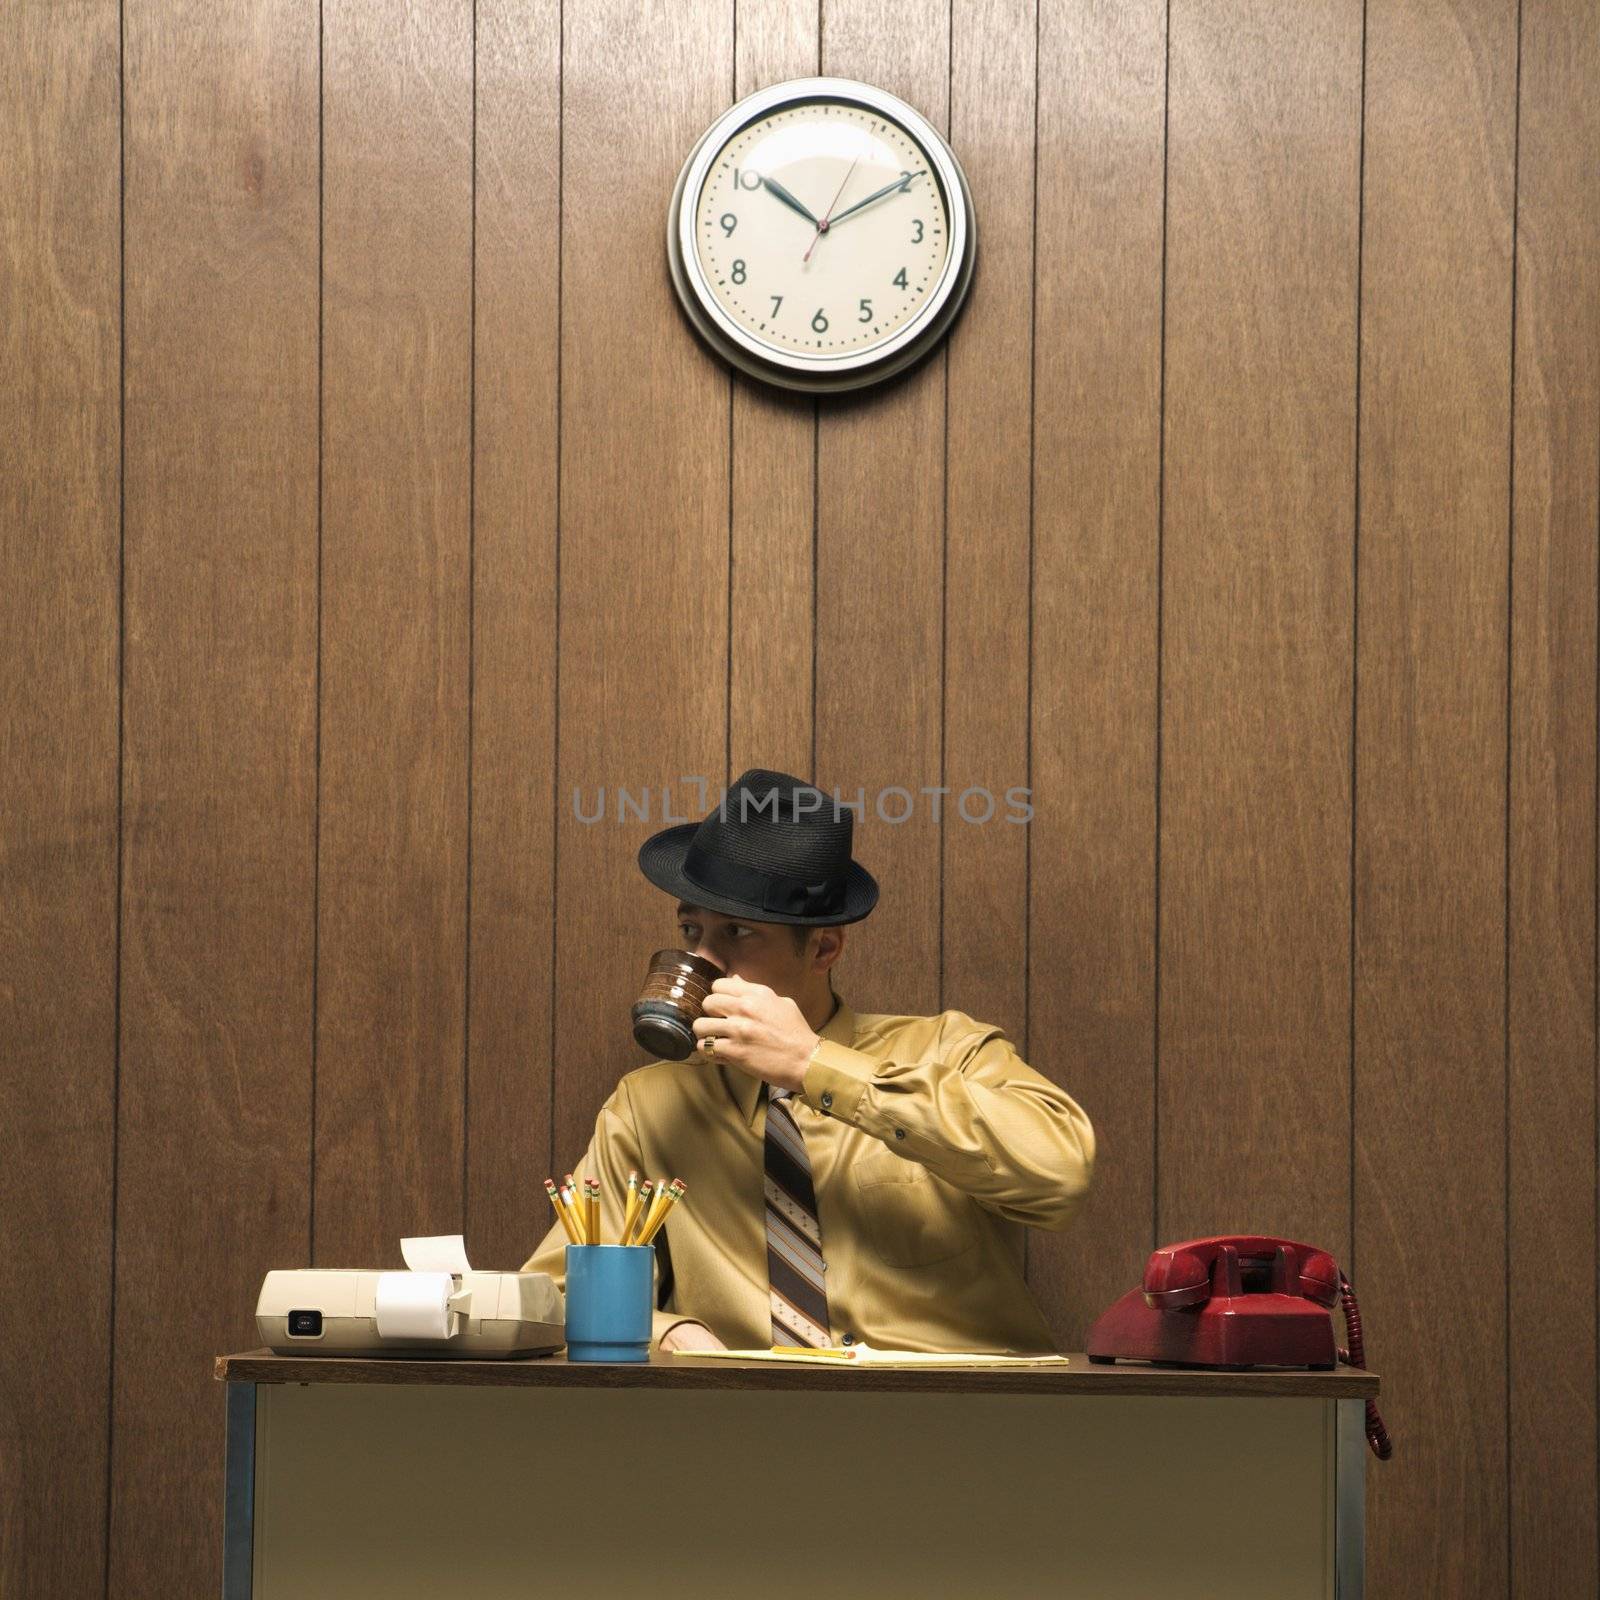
{"x": 1237, "y": 1301}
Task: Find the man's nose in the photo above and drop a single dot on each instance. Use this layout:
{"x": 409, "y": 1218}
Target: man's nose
{"x": 707, "y": 952}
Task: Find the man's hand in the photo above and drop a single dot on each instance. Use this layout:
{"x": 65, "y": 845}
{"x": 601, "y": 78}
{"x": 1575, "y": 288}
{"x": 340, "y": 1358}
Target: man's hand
{"x": 757, "y": 1031}
{"x": 691, "y": 1336}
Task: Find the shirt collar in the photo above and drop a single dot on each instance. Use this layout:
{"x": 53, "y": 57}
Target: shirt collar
{"x": 746, "y": 1090}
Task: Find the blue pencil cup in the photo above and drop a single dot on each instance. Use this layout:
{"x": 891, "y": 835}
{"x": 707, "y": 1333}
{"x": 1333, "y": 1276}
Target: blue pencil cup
{"x": 608, "y": 1301}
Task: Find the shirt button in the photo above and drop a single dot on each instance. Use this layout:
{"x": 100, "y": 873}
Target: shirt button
{"x": 849, "y": 1338}
{"x": 899, "y": 1133}
{"x": 827, "y": 1099}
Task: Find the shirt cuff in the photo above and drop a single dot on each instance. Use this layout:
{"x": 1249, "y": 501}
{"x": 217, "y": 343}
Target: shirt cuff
{"x": 836, "y": 1078}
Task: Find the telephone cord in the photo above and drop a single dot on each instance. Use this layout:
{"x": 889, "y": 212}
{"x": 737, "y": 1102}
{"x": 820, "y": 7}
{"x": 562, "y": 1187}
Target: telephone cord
{"x": 1356, "y": 1356}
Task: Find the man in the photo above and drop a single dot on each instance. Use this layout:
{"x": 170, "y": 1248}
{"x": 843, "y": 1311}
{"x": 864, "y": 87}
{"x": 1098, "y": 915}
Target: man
{"x": 850, "y": 1176}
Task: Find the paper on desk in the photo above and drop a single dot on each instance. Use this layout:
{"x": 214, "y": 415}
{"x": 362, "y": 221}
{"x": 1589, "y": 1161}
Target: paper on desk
{"x": 442, "y": 1252}
{"x": 863, "y": 1354}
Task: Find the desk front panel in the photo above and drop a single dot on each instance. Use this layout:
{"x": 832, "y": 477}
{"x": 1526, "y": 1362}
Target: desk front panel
{"x": 582, "y": 1494}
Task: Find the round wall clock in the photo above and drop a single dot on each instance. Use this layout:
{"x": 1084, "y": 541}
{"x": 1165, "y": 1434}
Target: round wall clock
{"x": 821, "y": 235}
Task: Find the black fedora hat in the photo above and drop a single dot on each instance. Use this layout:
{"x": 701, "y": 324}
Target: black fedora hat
{"x": 777, "y": 849}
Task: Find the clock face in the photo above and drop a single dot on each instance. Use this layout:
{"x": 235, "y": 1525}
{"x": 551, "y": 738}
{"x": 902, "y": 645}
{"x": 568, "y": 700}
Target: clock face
{"x": 821, "y": 235}
{"x": 822, "y": 228}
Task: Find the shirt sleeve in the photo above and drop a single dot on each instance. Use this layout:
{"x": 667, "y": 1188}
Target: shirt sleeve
{"x": 612, "y": 1153}
{"x": 971, "y": 1111}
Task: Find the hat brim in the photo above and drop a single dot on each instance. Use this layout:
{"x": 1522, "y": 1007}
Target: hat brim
{"x": 661, "y": 861}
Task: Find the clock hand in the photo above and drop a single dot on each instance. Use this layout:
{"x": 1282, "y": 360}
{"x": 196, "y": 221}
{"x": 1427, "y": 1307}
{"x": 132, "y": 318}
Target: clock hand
{"x": 789, "y": 200}
{"x": 903, "y": 181}
{"x": 822, "y": 227}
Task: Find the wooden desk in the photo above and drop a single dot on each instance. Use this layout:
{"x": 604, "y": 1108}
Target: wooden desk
{"x": 400, "y": 1478}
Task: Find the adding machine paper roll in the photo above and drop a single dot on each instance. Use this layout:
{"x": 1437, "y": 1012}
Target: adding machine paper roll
{"x": 414, "y": 1305}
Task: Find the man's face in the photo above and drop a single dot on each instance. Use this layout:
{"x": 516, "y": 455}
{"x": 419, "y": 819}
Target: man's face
{"x": 760, "y": 952}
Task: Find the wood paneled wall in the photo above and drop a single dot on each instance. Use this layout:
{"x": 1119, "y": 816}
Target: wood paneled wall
{"x": 363, "y": 495}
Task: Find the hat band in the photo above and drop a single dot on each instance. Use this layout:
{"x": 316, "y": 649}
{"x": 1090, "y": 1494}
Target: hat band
{"x": 794, "y": 897}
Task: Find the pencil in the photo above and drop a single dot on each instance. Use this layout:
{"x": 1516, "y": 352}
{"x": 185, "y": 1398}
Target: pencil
{"x": 561, "y": 1210}
{"x": 593, "y": 1186}
{"x": 651, "y": 1229}
{"x": 632, "y": 1209}
{"x": 570, "y": 1198}
{"x": 647, "y": 1199}
{"x": 656, "y": 1204}
{"x": 574, "y": 1198}
{"x": 646, "y": 1189}
{"x": 812, "y": 1350}
{"x": 674, "y": 1195}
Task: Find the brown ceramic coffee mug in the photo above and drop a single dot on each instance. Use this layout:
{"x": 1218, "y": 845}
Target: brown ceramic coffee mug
{"x": 675, "y": 990}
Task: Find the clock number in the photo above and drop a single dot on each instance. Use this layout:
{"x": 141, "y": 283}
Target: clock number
{"x": 777, "y": 300}
{"x": 866, "y": 311}
{"x": 819, "y": 323}
{"x": 738, "y": 274}
{"x": 900, "y": 279}
{"x": 728, "y": 222}
{"x": 740, "y": 175}
{"x": 916, "y": 238}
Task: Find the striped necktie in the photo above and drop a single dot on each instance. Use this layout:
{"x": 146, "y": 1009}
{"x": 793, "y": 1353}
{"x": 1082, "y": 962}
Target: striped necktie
{"x": 798, "y": 1296}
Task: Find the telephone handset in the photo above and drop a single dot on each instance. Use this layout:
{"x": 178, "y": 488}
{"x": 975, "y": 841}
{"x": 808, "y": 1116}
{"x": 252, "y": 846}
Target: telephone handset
{"x": 1238, "y": 1300}
{"x": 1180, "y": 1275}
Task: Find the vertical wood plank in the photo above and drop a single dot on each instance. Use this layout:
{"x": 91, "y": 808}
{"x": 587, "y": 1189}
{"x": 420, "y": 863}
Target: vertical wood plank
{"x": 772, "y": 532}
{"x": 219, "y": 768}
{"x": 1556, "y": 501}
{"x": 397, "y": 118}
{"x": 644, "y": 522}
{"x": 990, "y": 434}
{"x": 516, "y": 434}
{"x": 60, "y": 272}
{"x": 1431, "y": 779}
{"x": 1096, "y": 454}
{"x": 1264, "y": 138}
{"x": 880, "y": 580}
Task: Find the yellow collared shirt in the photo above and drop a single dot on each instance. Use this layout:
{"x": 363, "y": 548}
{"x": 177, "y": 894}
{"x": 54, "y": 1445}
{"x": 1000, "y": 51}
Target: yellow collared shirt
{"x": 931, "y": 1142}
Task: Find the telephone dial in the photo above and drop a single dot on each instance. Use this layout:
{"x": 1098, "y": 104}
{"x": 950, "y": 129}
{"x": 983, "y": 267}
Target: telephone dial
{"x": 1237, "y": 1301}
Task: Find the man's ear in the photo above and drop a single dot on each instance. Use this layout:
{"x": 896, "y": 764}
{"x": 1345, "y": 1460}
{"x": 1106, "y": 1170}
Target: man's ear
{"x": 830, "y": 946}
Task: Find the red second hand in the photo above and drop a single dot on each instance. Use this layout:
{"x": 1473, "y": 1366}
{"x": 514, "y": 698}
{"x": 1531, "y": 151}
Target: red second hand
{"x": 822, "y": 227}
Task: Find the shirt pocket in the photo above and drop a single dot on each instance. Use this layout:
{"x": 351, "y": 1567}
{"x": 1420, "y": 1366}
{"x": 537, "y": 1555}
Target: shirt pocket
{"x": 911, "y": 1220}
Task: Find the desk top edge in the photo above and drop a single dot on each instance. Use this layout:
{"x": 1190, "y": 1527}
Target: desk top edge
{"x": 666, "y": 1371}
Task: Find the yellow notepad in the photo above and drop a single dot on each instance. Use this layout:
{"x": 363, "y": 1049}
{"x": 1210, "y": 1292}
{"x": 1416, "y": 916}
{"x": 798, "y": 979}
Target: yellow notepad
{"x": 863, "y": 1354}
